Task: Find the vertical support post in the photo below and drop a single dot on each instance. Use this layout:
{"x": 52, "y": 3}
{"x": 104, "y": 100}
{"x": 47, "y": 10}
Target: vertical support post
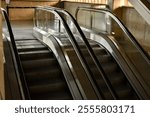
{"x": 59, "y": 26}
{"x": 108, "y": 19}
{"x": 7, "y": 6}
{"x": 91, "y": 20}
{"x": 110, "y": 4}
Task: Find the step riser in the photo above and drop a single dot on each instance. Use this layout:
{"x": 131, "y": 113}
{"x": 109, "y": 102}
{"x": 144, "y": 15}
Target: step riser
{"x": 42, "y": 72}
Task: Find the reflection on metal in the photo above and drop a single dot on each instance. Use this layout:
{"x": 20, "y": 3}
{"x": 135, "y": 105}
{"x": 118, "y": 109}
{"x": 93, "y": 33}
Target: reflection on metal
{"x": 54, "y": 45}
{"x": 96, "y": 20}
{"x": 131, "y": 38}
{"x": 110, "y": 4}
{"x": 135, "y": 51}
{"x": 21, "y": 78}
{"x": 92, "y": 94}
{"x": 93, "y": 56}
{"x": 111, "y": 44}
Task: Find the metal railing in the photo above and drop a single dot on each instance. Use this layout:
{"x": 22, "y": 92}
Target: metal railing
{"x": 122, "y": 26}
{"x": 25, "y": 94}
{"x": 142, "y": 59}
{"x": 59, "y": 12}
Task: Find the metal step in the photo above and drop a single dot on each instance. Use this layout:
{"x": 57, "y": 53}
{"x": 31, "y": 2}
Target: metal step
{"x": 39, "y": 64}
{"x": 33, "y": 55}
{"x": 31, "y": 48}
{"x": 52, "y": 91}
{"x": 43, "y": 75}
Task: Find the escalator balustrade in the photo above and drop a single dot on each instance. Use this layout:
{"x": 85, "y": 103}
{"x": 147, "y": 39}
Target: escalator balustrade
{"x": 116, "y": 76}
{"x": 114, "y": 73}
{"x": 45, "y": 79}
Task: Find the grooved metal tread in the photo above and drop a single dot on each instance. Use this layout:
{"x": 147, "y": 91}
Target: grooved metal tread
{"x": 43, "y": 75}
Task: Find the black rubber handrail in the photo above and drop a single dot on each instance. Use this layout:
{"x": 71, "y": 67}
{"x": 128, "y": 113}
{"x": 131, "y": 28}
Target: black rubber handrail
{"x": 91, "y": 52}
{"x": 25, "y": 94}
{"x": 71, "y": 39}
{"x": 122, "y": 26}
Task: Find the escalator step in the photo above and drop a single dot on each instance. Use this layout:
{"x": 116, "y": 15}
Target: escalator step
{"x": 82, "y": 46}
{"x": 97, "y": 51}
{"x": 38, "y": 64}
{"x": 100, "y": 51}
{"x": 43, "y": 75}
{"x": 115, "y": 75}
{"x": 124, "y": 92}
{"x": 109, "y": 67}
{"x": 32, "y": 55}
{"x": 31, "y": 48}
{"x": 25, "y": 43}
{"x": 115, "y": 80}
{"x": 53, "y": 96}
{"x": 44, "y": 78}
{"x": 48, "y": 88}
{"x": 104, "y": 58}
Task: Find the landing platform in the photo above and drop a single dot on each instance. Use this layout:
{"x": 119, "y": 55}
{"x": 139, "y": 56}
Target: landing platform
{"x": 22, "y": 29}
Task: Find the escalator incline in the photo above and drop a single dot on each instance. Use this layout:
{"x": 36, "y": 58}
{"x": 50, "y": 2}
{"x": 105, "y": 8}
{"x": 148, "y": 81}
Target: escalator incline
{"x": 43, "y": 75}
{"x": 114, "y": 73}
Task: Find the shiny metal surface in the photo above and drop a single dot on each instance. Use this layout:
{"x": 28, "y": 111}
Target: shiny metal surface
{"x": 55, "y": 47}
{"x": 138, "y": 58}
{"x": 111, "y": 44}
{"x": 69, "y": 68}
{"x": 71, "y": 38}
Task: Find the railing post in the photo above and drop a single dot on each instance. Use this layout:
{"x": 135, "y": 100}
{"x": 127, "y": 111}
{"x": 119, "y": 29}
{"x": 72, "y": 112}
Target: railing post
{"x": 110, "y": 4}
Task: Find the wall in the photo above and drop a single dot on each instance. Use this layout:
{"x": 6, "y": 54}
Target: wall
{"x": 27, "y": 13}
{"x": 88, "y": 1}
{"x": 136, "y": 24}
{"x": 26, "y": 10}
{"x": 84, "y": 18}
{"x": 72, "y": 6}
{"x": 117, "y": 3}
{"x": 2, "y": 94}
{"x": 99, "y": 22}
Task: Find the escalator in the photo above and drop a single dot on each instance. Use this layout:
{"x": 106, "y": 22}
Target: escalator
{"x": 117, "y": 79}
{"x": 100, "y": 76}
{"x": 122, "y": 45}
{"x": 44, "y": 77}
{"x": 116, "y": 76}
{"x": 143, "y": 8}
